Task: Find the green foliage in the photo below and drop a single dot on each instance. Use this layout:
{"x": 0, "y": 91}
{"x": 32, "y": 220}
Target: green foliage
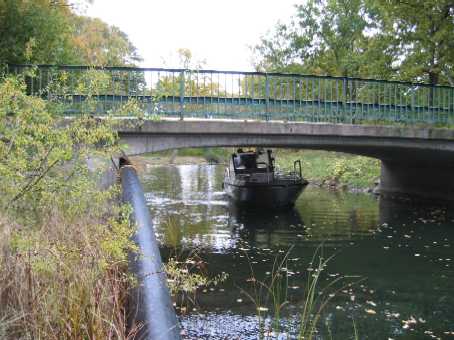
{"x": 359, "y": 172}
{"x": 98, "y": 43}
{"x": 274, "y": 292}
{"x": 325, "y": 37}
{"x": 36, "y": 150}
{"x": 35, "y": 31}
{"x": 118, "y": 239}
{"x": 422, "y": 31}
{"x": 408, "y": 40}
{"x": 339, "y": 168}
{"x": 135, "y": 108}
{"x": 185, "y": 272}
{"x": 185, "y": 277}
{"x": 64, "y": 241}
{"x": 49, "y": 32}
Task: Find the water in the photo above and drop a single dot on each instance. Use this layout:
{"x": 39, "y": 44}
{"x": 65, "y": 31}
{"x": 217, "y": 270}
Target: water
{"x": 397, "y": 257}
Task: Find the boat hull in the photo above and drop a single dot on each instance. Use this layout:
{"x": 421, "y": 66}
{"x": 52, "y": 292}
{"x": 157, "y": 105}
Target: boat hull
{"x": 275, "y": 196}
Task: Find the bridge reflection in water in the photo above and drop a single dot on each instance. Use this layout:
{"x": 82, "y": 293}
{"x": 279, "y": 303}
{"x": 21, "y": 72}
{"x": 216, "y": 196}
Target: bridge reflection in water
{"x": 402, "y": 251}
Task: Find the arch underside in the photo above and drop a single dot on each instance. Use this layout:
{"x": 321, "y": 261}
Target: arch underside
{"x": 418, "y": 162}
{"x": 385, "y": 149}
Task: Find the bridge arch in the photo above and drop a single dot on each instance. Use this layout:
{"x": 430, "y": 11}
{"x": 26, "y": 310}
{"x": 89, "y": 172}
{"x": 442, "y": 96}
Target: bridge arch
{"x": 382, "y": 142}
{"x": 379, "y": 148}
{"x": 415, "y": 161}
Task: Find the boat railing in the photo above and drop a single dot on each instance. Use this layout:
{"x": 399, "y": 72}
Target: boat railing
{"x": 295, "y": 175}
{"x": 300, "y": 172}
{"x": 289, "y": 176}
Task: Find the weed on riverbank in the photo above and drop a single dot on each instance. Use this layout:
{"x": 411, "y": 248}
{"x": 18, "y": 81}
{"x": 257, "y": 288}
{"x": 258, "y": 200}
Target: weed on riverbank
{"x": 63, "y": 246}
{"x": 64, "y": 279}
{"x": 186, "y": 271}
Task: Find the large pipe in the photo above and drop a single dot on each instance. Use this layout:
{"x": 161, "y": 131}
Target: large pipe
{"x": 153, "y": 307}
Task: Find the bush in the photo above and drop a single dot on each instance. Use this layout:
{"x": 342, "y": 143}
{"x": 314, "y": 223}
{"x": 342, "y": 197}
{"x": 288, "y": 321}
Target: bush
{"x": 63, "y": 247}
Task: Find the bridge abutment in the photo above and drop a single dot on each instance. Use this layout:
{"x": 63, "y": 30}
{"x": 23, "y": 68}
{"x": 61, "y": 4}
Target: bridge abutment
{"x": 428, "y": 181}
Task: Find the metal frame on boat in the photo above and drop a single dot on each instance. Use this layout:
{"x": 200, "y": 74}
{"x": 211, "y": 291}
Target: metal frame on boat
{"x": 250, "y": 180}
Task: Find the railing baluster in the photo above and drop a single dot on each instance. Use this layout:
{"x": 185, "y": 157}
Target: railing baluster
{"x": 181, "y": 94}
{"x": 267, "y": 97}
{"x": 274, "y": 96}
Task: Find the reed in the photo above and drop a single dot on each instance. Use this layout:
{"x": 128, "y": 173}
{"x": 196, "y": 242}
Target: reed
{"x": 274, "y": 292}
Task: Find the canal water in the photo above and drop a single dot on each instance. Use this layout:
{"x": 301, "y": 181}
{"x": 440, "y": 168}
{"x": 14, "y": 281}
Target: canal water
{"x": 390, "y": 273}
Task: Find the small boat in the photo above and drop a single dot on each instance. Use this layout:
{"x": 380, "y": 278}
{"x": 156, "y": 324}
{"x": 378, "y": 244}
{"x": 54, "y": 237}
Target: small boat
{"x": 251, "y": 179}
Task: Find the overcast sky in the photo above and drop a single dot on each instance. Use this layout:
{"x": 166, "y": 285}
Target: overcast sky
{"x": 214, "y": 30}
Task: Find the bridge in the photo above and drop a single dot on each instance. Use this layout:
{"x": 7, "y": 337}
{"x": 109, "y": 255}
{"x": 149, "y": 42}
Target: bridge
{"x": 405, "y": 125}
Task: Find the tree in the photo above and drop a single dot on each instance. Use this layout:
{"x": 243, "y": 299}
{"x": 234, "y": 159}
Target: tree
{"x": 40, "y": 157}
{"x": 195, "y": 83}
{"x": 50, "y": 32}
{"x": 387, "y": 39}
{"x": 326, "y": 37}
{"x": 422, "y": 30}
{"x": 98, "y": 43}
{"x": 35, "y": 31}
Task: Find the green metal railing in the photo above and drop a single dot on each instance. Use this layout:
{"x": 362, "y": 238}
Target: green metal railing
{"x": 239, "y": 95}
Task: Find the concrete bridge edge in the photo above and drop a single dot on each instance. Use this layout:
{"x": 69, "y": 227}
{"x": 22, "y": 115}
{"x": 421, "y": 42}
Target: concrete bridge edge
{"x": 399, "y": 176}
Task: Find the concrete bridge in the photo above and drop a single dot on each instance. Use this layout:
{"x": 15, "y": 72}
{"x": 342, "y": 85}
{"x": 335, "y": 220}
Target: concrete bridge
{"x": 408, "y": 126}
{"x": 415, "y": 161}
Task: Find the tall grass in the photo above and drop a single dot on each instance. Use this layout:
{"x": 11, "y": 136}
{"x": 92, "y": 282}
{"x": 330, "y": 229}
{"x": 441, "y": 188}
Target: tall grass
{"x": 63, "y": 241}
{"x": 61, "y": 280}
{"x": 273, "y": 292}
{"x": 316, "y": 299}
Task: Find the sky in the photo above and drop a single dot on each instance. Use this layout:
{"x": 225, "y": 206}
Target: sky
{"x": 217, "y": 31}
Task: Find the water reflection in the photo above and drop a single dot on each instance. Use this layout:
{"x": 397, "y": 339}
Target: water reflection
{"x": 191, "y": 196}
{"x": 267, "y": 229}
{"x": 403, "y": 251}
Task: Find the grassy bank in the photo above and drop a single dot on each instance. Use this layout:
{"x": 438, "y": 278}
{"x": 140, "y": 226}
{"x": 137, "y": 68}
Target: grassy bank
{"x": 63, "y": 242}
{"x": 184, "y": 156}
{"x": 332, "y": 168}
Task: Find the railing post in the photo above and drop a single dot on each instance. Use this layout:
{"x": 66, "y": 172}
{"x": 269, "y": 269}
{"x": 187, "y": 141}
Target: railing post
{"x": 267, "y": 98}
{"x": 451, "y": 107}
{"x": 181, "y": 94}
{"x": 344, "y": 96}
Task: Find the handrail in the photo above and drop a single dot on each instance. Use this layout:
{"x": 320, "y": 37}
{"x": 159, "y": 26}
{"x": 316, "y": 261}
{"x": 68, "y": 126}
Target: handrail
{"x": 240, "y": 95}
{"x": 209, "y": 71}
{"x": 294, "y": 168}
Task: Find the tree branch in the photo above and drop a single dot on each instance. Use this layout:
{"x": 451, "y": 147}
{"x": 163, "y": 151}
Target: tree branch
{"x": 32, "y": 183}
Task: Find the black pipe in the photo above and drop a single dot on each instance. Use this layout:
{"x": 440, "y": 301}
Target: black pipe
{"x": 153, "y": 307}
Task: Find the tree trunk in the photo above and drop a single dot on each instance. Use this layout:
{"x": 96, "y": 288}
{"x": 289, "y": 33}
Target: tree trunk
{"x": 433, "y": 79}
